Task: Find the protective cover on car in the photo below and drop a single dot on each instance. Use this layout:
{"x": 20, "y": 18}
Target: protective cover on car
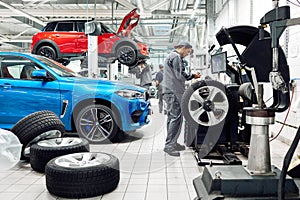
{"x": 10, "y": 149}
{"x": 129, "y": 22}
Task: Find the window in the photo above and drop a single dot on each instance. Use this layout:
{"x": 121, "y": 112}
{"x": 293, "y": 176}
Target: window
{"x": 64, "y": 26}
{"x": 13, "y": 67}
{"x": 50, "y": 27}
{"x": 80, "y": 26}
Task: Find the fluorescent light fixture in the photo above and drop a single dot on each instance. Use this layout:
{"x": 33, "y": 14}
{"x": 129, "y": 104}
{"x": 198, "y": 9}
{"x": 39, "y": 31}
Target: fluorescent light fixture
{"x": 37, "y": 1}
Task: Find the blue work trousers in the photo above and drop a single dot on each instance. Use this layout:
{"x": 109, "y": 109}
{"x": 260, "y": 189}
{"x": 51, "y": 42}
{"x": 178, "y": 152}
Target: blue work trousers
{"x": 174, "y": 120}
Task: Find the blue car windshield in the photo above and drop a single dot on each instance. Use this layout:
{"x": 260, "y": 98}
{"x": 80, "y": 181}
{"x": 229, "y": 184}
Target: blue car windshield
{"x": 57, "y": 67}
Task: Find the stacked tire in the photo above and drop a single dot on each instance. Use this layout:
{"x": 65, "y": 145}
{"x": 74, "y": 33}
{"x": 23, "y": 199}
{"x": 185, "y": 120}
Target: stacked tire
{"x": 82, "y": 175}
{"x": 45, "y": 150}
{"x": 35, "y": 127}
{"x": 71, "y": 170}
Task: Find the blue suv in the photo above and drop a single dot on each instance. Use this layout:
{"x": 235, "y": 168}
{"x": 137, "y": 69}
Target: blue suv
{"x": 96, "y": 109}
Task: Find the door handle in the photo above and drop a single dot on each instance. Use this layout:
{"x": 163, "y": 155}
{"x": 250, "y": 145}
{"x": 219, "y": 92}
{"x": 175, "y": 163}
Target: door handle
{"x": 6, "y": 86}
{"x": 57, "y": 35}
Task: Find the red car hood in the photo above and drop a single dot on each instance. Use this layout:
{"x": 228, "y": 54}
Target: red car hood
{"x": 129, "y": 22}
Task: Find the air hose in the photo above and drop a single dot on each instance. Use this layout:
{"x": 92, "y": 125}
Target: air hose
{"x": 286, "y": 163}
{"x": 287, "y": 159}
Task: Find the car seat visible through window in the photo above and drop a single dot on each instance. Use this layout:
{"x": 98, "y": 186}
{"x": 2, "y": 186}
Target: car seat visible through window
{"x": 5, "y": 72}
{"x": 26, "y": 72}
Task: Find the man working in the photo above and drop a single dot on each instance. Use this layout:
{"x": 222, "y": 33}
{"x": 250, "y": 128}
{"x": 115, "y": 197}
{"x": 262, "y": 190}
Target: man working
{"x": 144, "y": 74}
{"x": 173, "y": 89}
{"x": 158, "y": 79}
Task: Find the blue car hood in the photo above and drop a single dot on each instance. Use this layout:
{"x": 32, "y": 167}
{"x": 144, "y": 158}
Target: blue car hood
{"x": 98, "y": 83}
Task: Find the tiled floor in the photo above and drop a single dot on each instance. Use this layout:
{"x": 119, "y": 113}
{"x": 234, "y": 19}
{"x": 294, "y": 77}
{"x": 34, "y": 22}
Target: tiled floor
{"x": 147, "y": 173}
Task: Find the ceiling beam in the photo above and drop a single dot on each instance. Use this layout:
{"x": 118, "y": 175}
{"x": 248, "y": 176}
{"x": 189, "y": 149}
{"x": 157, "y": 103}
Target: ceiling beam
{"x": 158, "y": 4}
{"x": 126, "y": 4}
{"x": 81, "y": 13}
{"x": 22, "y": 13}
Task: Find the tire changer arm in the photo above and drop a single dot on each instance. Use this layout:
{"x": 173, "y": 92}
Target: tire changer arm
{"x": 278, "y": 19}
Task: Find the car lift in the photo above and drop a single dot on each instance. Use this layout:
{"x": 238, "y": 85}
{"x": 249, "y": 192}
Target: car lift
{"x": 259, "y": 179}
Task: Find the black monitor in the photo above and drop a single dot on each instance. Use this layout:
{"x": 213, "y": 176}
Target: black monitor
{"x": 218, "y": 62}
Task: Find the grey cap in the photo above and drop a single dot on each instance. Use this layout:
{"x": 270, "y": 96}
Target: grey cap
{"x": 185, "y": 44}
{"x": 161, "y": 66}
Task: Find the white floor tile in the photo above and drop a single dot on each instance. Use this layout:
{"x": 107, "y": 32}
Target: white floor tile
{"x": 147, "y": 172}
{"x": 134, "y": 196}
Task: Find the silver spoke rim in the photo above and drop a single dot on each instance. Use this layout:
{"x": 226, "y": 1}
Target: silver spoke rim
{"x": 212, "y": 120}
{"x": 96, "y": 124}
{"x": 46, "y": 135}
{"x": 81, "y": 160}
{"x": 59, "y": 142}
{"x": 223, "y": 106}
{"x": 218, "y": 111}
{"x": 195, "y": 96}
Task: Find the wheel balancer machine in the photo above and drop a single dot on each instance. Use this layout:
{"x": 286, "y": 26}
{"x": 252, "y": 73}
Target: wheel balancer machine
{"x": 259, "y": 179}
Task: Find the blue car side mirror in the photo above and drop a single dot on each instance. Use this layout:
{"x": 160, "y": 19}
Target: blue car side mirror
{"x": 39, "y": 74}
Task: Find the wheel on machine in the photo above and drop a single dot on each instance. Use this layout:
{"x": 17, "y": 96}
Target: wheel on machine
{"x": 97, "y": 124}
{"x": 205, "y": 103}
{"x": 35, "y": 127}
{"x": 45, "y": 150}
{"x": 47, "y": 51}
{"x": 127, "y": 55}
{"x": 82, "y": 175}
{"x": 205, "y": 107}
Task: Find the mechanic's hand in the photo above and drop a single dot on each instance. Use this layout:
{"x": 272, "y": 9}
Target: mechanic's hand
{"x": 198, "y": 75}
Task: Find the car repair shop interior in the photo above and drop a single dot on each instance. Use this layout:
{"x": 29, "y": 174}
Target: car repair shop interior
{"x": 78, "y": 124}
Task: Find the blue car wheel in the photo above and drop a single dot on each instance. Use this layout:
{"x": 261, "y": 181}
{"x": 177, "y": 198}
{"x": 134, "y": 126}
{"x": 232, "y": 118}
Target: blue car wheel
{"x": 97, "y": 124}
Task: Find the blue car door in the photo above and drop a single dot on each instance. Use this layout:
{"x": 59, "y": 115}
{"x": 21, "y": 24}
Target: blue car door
{"x": 21, "y": 96}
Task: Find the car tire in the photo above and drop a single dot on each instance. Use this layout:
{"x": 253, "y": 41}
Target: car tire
{"x": 127, "y": 55}
{"x": 47, "y": 51}
{"x": 82, "y": 175}
{"x": 199, "y": 103}
{"x": 35, "y": 127}
{"x": 45, "y": 150}
{"x": 97, "y": 130}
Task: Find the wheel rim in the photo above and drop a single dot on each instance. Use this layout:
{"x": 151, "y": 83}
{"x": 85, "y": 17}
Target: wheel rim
{"x": 126, "y": 55}
{"x": 47, "y": 53}
{"x": 59, "y": 142}
{"x": 45, "y": 135}
{"x": 81, "y": 160}
{"x": 96, "y": 124}
{"x": 208, "y": 105}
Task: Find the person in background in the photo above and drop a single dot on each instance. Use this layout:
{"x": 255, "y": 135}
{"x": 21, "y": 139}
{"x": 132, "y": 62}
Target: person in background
{"x": 173, "y": 89}
{"x": 158, "y": 79}
{"x": 144, "y": 73}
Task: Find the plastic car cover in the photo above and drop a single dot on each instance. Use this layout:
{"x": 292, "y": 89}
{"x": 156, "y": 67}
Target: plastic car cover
{"x": 10, "y": 149}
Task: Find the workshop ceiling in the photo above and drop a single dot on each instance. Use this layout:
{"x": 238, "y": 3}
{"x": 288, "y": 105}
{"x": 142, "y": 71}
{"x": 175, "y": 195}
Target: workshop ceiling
{"x": 162, "y": 23}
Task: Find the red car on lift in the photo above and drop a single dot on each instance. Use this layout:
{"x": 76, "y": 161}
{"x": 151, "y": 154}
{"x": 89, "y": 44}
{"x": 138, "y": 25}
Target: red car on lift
{"x": 67, "y": 38}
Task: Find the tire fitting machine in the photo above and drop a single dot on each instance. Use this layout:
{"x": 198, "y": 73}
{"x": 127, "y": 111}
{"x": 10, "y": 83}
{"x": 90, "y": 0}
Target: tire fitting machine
{"x": 259, "y": 179}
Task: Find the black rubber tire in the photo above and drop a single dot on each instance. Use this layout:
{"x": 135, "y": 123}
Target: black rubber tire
{"x": 40, "y": 155}
{"x": 30, "y": 128}
{"x": 82, "y": 182}
{"x": 189, "y": 92}
{"x": 127, "y": 55}
{"x": 47, "y": 51}
{"x": 111, "y": 127}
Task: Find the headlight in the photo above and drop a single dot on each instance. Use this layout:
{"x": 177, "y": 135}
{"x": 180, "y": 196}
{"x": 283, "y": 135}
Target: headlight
{"x": 130, "y": 94}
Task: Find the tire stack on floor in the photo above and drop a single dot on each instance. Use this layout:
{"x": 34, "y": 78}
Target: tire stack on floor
{"x": 71, "y": 170}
